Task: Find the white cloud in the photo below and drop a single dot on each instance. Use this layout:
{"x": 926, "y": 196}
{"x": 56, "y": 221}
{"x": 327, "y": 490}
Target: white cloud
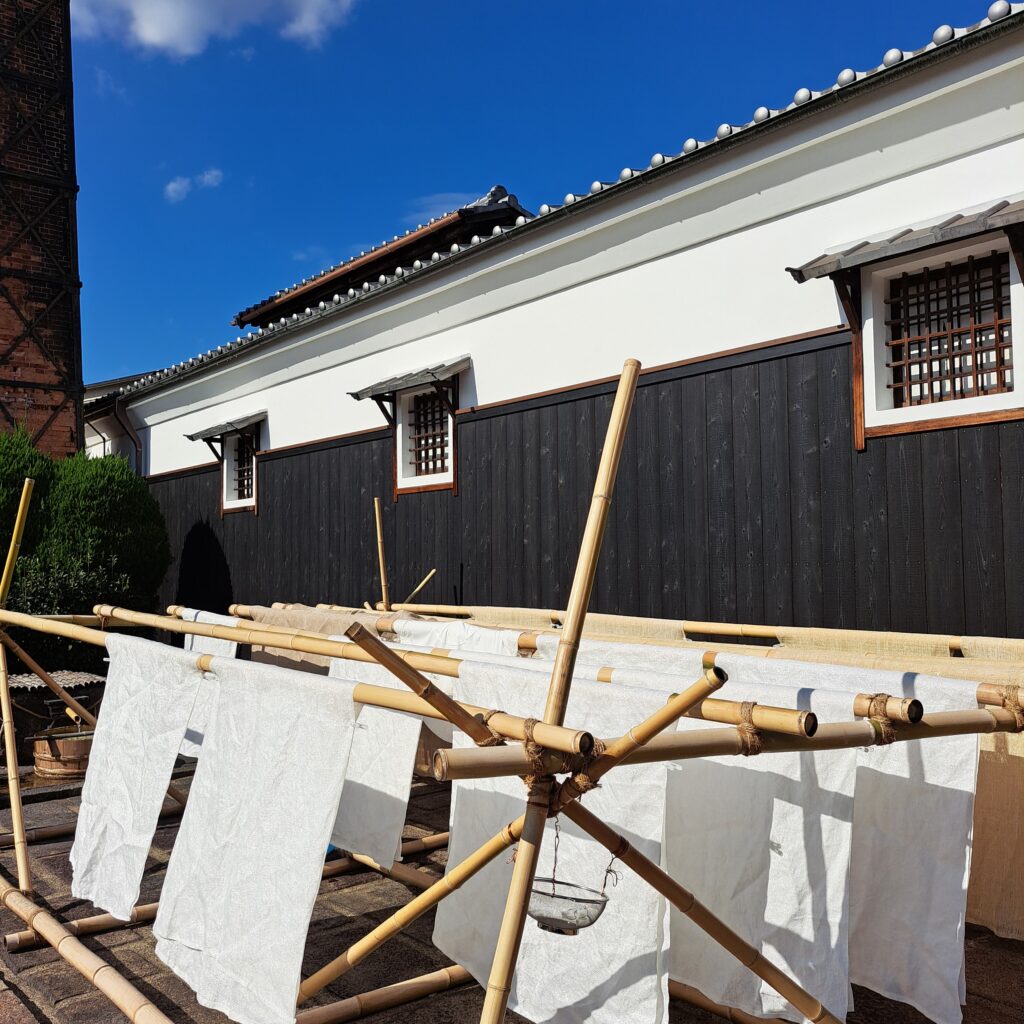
{"x": 210, "y": 178}
{"x": 177, "y": 189}
{"x": 182, "y": 28}
{"x": 421, "y": 209}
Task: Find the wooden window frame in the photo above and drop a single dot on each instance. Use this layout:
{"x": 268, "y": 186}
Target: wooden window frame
{"x": 849, "y": 286}
{"x": 405, "y": 482}
{"x": 229, "y": 466}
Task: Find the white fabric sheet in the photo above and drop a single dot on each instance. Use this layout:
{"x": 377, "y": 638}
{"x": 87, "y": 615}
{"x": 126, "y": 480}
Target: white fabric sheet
{"x": 192, "y": 743}
{"x": 609, "y": 973}
{"x": 372, "y": 809}
{"x": 246, "y": 866}
{"x": 456, "y": 634}
{"x": 149, "y": 695}
{"x": 912, "y": 825}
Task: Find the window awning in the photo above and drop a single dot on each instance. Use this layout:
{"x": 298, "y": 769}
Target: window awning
{"x": 427, "y": 375}
{"x": 1005, "y": 214}
{"x": 240, "y": 423}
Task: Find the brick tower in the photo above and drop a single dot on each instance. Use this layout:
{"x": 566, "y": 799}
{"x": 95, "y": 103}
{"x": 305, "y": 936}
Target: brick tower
{"x": 40, "y": 335}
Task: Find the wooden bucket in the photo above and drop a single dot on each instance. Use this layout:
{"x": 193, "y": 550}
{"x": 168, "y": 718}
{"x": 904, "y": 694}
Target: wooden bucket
{"x": 62, "y": 753}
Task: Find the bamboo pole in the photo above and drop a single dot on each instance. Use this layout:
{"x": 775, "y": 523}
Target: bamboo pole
{"x": 14, "y": 782}
{"x": 498, "y": 762}
{"x": 457, "y": 876}
{"x": 725, "y": 712}
{"x": 509, "y": 726}
{"x": 33, "y": 666}
{"x": 419, "y": 586}
{"x": 474, "y": 728}
{"x": 506, "y": 953}
{"x": 20, "y": 942}
{"x": 48, "y": 833}
{"x": 386, "y": 998}
{"x": 24, "y": 866}
{"x": 132, "y": 1003}
{"x": 687, "y": 903}
{"x": 382, "y": 561}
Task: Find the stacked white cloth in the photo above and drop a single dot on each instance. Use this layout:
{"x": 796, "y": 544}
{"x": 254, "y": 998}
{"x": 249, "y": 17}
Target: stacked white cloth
{"x": 246, "y": 866}
{"x": 149, "y": 696}
{"x": 372, "y": 809}
{"x": 192, "y": 743}
{"x": 649, "y": 657}
{"x": 609, "y": 973}
{"x": 455, "y": 634}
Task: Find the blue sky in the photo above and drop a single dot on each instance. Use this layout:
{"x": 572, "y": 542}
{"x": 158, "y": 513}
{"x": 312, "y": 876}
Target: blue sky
{"x": 227, "y": 148}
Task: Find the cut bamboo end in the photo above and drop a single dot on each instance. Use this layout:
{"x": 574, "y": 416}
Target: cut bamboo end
{"x": 386, "y": 998}
{"x": 895, "y": 709}
{"x": 789, "y": 721}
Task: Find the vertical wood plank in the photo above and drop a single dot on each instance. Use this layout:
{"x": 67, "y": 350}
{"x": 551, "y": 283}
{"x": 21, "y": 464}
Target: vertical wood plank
{"x": 943, "y": 532}
{"x": 697, "y": 597}
{"x": 908, "y": 606}
{"x": 1011, "y": 471}
{"x": 805, "y": 489}
{"x": 746, "y": 440}
{"x": 721, "y": 497}
{"x": 775, "y": 493}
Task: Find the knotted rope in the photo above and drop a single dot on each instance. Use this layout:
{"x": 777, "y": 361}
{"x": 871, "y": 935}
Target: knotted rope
{"x": 496, "y": 739}
{"x": 750, "y": 738}
{"x": 1012, "y": 704}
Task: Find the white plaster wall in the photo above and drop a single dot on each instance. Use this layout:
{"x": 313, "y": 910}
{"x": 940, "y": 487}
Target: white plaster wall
{"x": 692, "y": 265}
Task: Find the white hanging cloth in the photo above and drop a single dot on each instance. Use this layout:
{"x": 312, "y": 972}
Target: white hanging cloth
{"x": 246, "y": 866}
{"x": 611, "y": 972}
{"x": 192, "y": 743}
{"x": 374, "y": 800}
{"x": 147, "y": 701}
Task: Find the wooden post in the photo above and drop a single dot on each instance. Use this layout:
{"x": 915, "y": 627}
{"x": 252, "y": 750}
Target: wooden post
{"x": 385, "y": 596}
{"x": 10, "y": 741}
{"x": 506, "y": 953}
{"x": 686, "y": 903}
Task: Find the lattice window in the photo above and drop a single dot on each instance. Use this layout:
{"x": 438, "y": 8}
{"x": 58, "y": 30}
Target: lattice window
{"x": 949, "y": 332}
{"x": 245, "y": 465}
{"x": 428, "y": 438}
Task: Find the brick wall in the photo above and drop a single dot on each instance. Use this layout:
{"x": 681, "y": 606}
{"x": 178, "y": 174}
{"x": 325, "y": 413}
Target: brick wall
{"x": 40, "y": 337}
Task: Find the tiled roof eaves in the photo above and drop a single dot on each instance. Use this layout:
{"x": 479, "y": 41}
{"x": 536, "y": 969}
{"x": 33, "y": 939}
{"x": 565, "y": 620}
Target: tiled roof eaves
{"x": 946, "y": 43}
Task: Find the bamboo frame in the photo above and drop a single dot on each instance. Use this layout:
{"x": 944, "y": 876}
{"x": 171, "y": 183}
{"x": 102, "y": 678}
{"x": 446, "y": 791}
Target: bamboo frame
{"x": 132, "y": 1003}
{"x": 509, "y": 726}
{"x": 785, "y": 720}
{"x": 381, "y": 560}
{"x": 498, "y": 762}
{"x": 455, "y": 877}
{"x": 24, "y": 866}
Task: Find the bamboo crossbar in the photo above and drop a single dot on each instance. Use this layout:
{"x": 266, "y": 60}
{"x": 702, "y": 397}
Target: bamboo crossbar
{"x": 508, "y": 761}
{"x": 381, "y": 559}
{"x": 386, "y": 998}
{"x": 789, "y": 721}
{"x": 20, "y": 942}
{"x": 510, "y": 726}
{"x": 66, "y": 829}
{"x": 996, "y": 679}
{"x": 128, "y": 999}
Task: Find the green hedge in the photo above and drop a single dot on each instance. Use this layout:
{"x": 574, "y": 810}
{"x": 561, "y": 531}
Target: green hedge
{"x": 94, "y": 534}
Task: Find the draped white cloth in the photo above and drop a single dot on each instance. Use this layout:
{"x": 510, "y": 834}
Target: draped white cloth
{"x": 609, "y": 973}
{"x": 192, "y": 743}
{"x": 246, "y": 865}
{"x": 149, "y": 695}
{"x": 371, "y": 812}
{"x": 454, "y": 634}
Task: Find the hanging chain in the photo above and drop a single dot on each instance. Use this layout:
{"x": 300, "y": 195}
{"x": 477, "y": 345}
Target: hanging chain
{"x": 610, "y": 872}
{"x": 554, "y": 862}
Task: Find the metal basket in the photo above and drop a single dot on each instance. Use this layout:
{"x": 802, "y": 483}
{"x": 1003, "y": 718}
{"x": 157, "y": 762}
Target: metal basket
{"x": 564, "y": 908}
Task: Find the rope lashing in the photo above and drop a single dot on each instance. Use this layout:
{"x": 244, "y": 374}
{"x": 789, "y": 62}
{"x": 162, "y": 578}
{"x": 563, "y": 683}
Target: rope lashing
{"x": 750, "y": 738}
{"x": 581, "y": 780}
{"x": 496, "y": 739}
{"x": 885, "y": 731}
{"x": 878, "y": 706}
{"x": 1013, "y": 705}
{"x": 534, "y": 751}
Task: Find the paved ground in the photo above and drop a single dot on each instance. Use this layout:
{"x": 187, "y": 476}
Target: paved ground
{"x": 39, "y": 988}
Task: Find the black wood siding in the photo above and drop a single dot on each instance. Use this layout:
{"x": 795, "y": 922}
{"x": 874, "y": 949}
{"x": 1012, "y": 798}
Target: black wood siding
{"x": 740, "y": 498}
